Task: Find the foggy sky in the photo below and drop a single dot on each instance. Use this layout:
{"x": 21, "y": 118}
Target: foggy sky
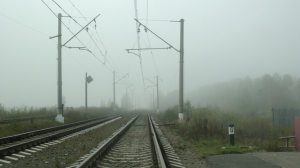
{"x": 224, "y": 40}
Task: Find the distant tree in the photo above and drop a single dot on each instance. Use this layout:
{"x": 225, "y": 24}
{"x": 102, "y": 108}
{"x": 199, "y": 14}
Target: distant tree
{"x": 124, "y": 102}
{"x": 109, "y": 103}
{"x": 188, "y": 108}
{"x": 102, "y": 104}
{"x": 2, "y": 110}
{"x": 260, "y": 94}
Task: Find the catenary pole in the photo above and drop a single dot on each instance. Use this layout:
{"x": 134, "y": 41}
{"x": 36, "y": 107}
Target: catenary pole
{"x": 180, "y": 114}
{"x": 59, "y": 116}
{"x": 86, "y": 93}
{"x": 60, "y": 106}
{"x": 114, "y": 93}
{"x": 157, "y": 94}
{"x": 153, "y": 100}
{"x": 126, "y": 99}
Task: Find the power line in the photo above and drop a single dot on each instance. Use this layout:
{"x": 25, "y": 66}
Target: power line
{"x": 66, "y": 13}
{"x": 149, "y": 39}
{"x": 106, "y": 53}
{"x": 77, "y": 10}
{"x": 147, "y": 14}
{"x": 152, "y": 55}
{"x": 138, "y": 41}
{"x": 25, "y": 25}
{"x": 77, "y": 37}
{"x": 72, "y": 32}
{"x": 63, "y": 23}
{"x": 78, "y": 24}
{"x": 70, "y": 18}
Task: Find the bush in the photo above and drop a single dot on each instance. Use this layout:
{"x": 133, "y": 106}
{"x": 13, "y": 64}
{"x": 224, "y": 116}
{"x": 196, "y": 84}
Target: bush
{"x": 207, "y": 125}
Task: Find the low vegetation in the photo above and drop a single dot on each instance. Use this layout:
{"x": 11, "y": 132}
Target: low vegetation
{"x": 71, "y": 115}
{"x": 208, "y": 130}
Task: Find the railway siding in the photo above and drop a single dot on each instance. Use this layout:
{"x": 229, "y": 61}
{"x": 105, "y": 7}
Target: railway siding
{"x": 134, "y": 149}
{"x": 66, "y": 151}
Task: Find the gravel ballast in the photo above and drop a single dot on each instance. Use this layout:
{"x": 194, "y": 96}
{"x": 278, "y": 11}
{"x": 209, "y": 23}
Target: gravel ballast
{"x": 71, "y": 149}
{"x": 185, "y": 150}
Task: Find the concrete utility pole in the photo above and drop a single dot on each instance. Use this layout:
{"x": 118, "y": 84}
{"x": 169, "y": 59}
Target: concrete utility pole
{"x": 60, "y": 106}
{"x": 181, "y": 51}
{"x": 180, "y": 114}
{"x": 153, "y": 99}
{"x": 86, "y": 93}
{"x": 114, "y": 103}
{"x": 59, "y": 116}
{"x": 157, "y": 94}
{"x": 126, "y": 99}
{"x": 132, "y": 101}
{"x": 127, "y": 104}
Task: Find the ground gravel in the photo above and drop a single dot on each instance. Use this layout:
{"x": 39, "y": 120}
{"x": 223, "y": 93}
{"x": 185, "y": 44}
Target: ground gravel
{"x": 70, "y": 150}
{"x": 184, "y": 149}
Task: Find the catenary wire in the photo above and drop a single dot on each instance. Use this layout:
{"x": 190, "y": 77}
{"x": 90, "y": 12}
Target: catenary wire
{"x": 111, "y": 70}
{"x": 25, "y": 25}
{"x": 149, "y": 39}
{"x": 106, "y": 53}
{"x": 138, "y": 41}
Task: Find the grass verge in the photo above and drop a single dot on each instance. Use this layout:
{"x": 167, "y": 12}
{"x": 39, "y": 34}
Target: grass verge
{"x": 216, "y": 147}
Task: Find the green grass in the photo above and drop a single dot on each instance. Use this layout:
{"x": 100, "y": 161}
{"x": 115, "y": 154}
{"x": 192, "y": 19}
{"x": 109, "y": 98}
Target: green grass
{"x": 26, "y": 126}
{"x": 217, "y": 147}
{"x": 208, "y": 130}
{"x": 71, "y": 115}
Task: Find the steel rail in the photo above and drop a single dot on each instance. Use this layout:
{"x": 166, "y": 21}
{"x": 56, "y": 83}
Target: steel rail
{"x": 29, "y": 143}
{"x": 7, "y": 121}
{"x": 163, "y": 152}
{"x": 91, "y": 160}
{"x": 170, "y": 157}
{"x": 159, "y": 153}
{"x": 18, "y": 137}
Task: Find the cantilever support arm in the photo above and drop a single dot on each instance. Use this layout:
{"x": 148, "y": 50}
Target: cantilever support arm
{"x": 148, "y": 49}
{"x": 156, "y": 35}
{"x": 122, "y": 77}
{"x": 80, "y": 30}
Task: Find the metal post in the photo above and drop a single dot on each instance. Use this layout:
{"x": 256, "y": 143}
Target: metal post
{"x": 153, "y": 99}
{"x": 157, "y": 94}
{"x": 231, "y": 134}
{"x": 114, "y": 103}
{"x": 132, "y": 102}
{"x": 59, "y": 116}
{"x": 180, "y": 115}
{"x": 126, "y": 100}
{"x": 297, "y": 132}
{"x": 86, "y": 93}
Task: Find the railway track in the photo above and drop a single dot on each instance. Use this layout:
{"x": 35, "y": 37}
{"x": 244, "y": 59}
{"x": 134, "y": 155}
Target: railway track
{"x": 25, "y": 142}
{"x": 139, "y": 143}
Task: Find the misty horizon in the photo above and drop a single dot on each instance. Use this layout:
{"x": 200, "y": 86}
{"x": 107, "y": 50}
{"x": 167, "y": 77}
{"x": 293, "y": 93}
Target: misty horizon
{"x": 223, "y": 41}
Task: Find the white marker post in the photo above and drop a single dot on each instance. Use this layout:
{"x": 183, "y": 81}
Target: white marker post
{"x": 231, "y": 134}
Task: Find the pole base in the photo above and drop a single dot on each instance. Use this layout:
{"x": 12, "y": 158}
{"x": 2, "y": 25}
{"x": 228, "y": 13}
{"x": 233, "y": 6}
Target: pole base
{"x": 180, "y": 116}
{"x": 59, "y": 118}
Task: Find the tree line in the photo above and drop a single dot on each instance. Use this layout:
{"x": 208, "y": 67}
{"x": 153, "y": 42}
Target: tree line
{"x": 243, "y": 94}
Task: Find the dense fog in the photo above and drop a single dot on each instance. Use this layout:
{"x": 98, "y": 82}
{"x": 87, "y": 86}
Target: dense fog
{"x": 229, "y": 46}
